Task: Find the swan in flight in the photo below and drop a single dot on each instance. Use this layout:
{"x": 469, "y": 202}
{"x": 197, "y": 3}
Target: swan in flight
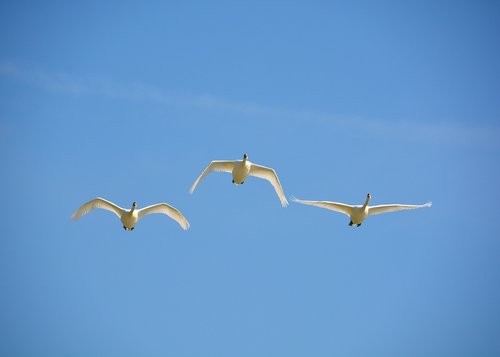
{"x": 240, "y": 170}
{"x": 358, "y": 214}
{"x": 130, "y": 217}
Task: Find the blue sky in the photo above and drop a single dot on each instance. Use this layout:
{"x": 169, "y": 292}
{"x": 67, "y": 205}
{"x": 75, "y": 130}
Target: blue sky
{"x": 131, "y": 101}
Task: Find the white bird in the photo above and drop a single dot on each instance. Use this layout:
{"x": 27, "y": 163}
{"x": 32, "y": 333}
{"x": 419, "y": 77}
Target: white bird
{"x": 358, "y": 214}
{"x": 240, "y": 170}
{"x": 130, "y": 217}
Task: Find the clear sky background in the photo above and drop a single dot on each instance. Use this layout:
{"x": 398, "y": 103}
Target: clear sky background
{"x": 130, "y": 101}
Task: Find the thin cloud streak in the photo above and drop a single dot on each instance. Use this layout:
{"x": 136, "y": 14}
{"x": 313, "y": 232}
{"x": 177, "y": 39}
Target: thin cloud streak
{"x": 445, "y": 133}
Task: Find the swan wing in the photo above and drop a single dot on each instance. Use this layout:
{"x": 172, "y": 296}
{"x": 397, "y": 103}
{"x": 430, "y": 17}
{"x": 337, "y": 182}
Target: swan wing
{"x": 97, "y": 203}
{"x": 393, "y": 208}
{"x": 218, "y": 166}
{"x": 269, "y": 174}
{"x": 333, "y": 206}
{"x": 166, "y": 209}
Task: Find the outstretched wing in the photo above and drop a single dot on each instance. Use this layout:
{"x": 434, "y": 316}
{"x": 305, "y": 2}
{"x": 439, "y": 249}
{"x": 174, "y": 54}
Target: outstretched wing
{"x": 166, "y": 209}
{"x": 97, "y": 203}
{"x": 218, "y": 166}
{"x": 393, "y": 208}
{"x": 269, "y": 174}
{"x": 333, "y": 206}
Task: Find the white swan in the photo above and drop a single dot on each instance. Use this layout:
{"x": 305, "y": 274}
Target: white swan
{"x": 130, "y": 217}
{"x": 240, "y": 170}
{"x": 358, "y": 214}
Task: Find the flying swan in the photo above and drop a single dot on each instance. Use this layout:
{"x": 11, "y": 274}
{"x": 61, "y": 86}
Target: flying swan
{"x": 240, "y": 170}
{"x": 358, "y": 214}
{"x": 130, "y": 217}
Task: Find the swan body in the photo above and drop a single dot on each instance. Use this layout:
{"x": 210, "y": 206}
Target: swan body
{"x": 240, "y": 170}
{"x": 129, "y": 218}
{"x": 358, "y": 214}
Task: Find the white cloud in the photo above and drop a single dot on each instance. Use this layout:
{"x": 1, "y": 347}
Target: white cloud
{"x": 441, "y": 132}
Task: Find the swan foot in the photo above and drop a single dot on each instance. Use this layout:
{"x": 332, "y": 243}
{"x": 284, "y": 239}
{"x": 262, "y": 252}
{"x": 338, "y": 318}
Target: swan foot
{"x": 233, "y": 181}
{"x": 358, "y": 225}
{"x": 134, "y": 227}
{"x": 124, "y": 227}
{"x": 242, "y": 183}
{"x": 350, "y": 223}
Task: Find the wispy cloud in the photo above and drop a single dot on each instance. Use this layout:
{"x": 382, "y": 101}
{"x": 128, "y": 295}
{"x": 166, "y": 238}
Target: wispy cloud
{"x": 72, "y": 85}
{"x": 444, "y": 132}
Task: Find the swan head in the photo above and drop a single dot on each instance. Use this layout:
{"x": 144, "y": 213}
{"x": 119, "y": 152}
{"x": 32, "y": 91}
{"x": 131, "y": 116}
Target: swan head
{"x": 245, "y": 156}
{"x": 134, "y": 204}
{"x": 368, "y": 198}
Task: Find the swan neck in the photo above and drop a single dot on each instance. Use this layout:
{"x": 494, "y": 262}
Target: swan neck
{"x": 366, "y": 202}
